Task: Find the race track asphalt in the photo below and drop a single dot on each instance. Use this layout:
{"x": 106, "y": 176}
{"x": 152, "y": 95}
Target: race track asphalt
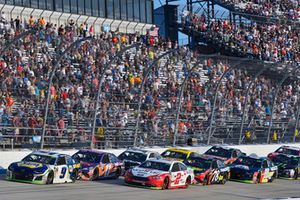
{"x": 116, "y": 190}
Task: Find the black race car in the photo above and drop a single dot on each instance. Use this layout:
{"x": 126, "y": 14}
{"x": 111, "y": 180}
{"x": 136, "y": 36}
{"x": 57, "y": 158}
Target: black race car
{"x": 288, "y": 166}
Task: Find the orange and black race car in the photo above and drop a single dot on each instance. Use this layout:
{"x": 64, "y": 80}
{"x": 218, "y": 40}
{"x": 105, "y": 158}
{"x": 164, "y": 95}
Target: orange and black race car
{"x": 208, "y": 170}
{"x": 227, "y": 154}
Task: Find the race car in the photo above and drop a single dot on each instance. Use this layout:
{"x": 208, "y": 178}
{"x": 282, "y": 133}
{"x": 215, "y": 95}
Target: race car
{"x": 96, "y": 164}
{"x": 208, "y": 170}
{"x": 134, "y": 157}
{"x": 252, "y": 169}
{"x": 227, "y": 154}
{"x": 288, "y": 166}
{"x": 178, "y": 154}
{"x": 43, "y": 167}
{"x": 160, "y": 174}
{"x": 288, "y": 150}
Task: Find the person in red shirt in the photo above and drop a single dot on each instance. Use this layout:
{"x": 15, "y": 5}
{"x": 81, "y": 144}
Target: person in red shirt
{"x": 60, "y": 126}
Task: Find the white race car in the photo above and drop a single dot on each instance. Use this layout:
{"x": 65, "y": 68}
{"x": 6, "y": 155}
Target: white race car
{"x": 160, "y": 174}
{"x": 43, "y": 167}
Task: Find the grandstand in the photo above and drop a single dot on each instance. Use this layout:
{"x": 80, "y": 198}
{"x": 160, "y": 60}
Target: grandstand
{"x": 67, "y": 82}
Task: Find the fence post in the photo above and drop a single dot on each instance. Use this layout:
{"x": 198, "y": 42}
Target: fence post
{"x": 215, "y": 98}
{"x": 182, "y": 89}
{"x": 72, "y": 46}
{"x": 246, "y": 99}
{"x": 101, "y": 78}
{"x": 284, "y": 78}
{"x": 142, "y": 90}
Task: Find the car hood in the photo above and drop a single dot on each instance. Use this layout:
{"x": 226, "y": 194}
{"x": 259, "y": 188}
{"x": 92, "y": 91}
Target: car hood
{"x": 244, "y": 168}
{"x": 217, "y": 157}
{"x": 143, "y": 172}
{"x": 29, "y": 167}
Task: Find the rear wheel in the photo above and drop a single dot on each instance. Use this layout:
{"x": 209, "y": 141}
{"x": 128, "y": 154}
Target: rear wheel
{"x": 205, "y": 181}
{"x": 117, "y": 173}
{"x": 224, "y": 180}
{"x": 50, "y": 178}
{"x": 188, "y": 182}
{"x": 95, "y": 175}
{"x": 166, "y": 183}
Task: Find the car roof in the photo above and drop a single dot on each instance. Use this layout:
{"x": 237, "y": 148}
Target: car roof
{"x": 92, "y": 151}
{"x": 255, "y": 157}
{"x": 205, "y": 157}
{"x": 49, "y": 153}
{"x": 291, "y": 147}
{"x": 164, "y": 161}
{"x": 136, "y": 150}
{"x": 181, "y": 150}
{"x": 224, "y": 147}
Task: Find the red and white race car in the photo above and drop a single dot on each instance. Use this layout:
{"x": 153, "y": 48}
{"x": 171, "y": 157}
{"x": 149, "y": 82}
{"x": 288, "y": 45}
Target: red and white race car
{"x": 160, "y": 174}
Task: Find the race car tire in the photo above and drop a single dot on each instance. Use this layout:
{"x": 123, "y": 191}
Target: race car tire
{"x": 224, "y": 180}
{"x": 273, "y": 177}
{"x": 50, "y": 178}
{"x": 296, "y": 174}
{"x": 257, "y": 179}
{"x": 117, "y": 173}
{"x": 205, "y": 181}
{"x": 95, "y": 175}
{"x": 166, "y": 183}
{"x": 74, "y": 175}
{"x": 188, "y": 182}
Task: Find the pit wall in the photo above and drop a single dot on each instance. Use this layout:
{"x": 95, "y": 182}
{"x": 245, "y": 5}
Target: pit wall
{"x": 7, "y": 157}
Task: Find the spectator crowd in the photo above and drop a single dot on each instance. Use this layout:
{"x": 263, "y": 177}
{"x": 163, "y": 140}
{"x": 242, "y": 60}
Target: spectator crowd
{"x": 25, "y": 69}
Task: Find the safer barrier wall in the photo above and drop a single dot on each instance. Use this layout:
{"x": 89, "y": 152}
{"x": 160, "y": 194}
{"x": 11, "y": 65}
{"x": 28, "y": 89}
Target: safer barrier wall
{"x": 7, "y": 157}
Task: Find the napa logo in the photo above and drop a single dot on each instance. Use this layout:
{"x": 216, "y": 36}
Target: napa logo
{"x": 30, "y": 165}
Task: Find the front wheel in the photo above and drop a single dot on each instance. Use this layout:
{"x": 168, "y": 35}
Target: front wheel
{"x": 166, "y": 183}
{"x": 74, "y": 175}
{"x": 257, "y": 179}
{"x": 296, "y": 174}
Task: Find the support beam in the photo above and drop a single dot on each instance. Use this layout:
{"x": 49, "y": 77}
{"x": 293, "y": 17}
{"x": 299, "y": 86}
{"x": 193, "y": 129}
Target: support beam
{"x": 182, "y": 89}
{"x": 56, "y": 65}
{"x": 278, "y": 87}
{"x": 246, "y": 98}
{"x": 149, "y": 69}
{"x": 101, "y": 78}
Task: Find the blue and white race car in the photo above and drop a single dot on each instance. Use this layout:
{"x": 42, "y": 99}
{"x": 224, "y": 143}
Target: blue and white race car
{"x": 43, "y": 167}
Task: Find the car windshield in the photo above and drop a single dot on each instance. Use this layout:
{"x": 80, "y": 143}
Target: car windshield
{"x": 44, "y": 159}
{"x": 88, "y": 157}
{"x": 288, "y": 151}
{"x": 250, "y": 162}
{"x": 198, "y": 162}
{"x": 285, "y": 160}
{"x": 174, "y": 154}
{"x": 215, "y": 151}
{"x": 155, "y": 165}
{"x": 133, "y": 156}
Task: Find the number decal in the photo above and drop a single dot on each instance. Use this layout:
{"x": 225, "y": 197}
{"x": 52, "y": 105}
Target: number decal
{"x": 215, "y": 176}
{"x": 178, "y": 177}
{"x": 63, "y": 172}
